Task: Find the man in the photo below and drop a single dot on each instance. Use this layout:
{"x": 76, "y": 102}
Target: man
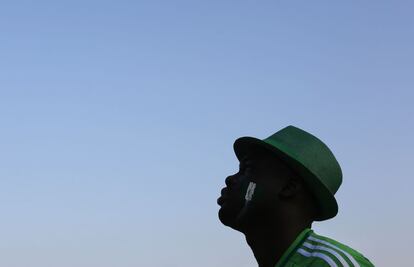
{"x": 284, "y": 183}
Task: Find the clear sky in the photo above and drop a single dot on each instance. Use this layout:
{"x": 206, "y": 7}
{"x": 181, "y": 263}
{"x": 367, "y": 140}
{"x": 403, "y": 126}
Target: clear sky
{"x": 118, "y": 120}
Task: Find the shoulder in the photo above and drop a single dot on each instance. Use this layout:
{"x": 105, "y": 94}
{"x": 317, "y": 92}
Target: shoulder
{"x": 317, "y": 250}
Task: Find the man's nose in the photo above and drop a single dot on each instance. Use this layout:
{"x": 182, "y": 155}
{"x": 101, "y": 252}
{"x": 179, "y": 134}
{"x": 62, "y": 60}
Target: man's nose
{"x": 231, "y": 180}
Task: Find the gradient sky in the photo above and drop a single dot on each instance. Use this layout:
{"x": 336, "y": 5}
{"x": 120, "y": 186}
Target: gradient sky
{"x": 118, "y": 120}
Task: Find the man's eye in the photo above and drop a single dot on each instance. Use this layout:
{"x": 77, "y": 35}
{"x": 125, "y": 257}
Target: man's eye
{"x": 245, "y": 167}
{"x": 248, "y": 168}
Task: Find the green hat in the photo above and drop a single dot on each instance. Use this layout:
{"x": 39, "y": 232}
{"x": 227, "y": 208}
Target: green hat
{"x": 309, "y": 157}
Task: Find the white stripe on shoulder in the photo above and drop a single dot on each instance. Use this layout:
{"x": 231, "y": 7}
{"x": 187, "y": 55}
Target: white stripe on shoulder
{"x": 354, "y": 262}
{"x": 318, "y": 255}
{"x": 333, "y": 252}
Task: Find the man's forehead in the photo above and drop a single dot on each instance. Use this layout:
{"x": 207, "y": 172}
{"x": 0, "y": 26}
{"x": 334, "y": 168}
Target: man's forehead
{"x": 266, "y": 160}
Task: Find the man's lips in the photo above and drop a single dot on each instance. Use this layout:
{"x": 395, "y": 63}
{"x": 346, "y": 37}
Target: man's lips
{"x": 223, "y": 197}
{"x": 221, "y": 200}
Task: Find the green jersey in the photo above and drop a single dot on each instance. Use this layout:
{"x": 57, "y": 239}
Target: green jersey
{"x": 310, "y": 249}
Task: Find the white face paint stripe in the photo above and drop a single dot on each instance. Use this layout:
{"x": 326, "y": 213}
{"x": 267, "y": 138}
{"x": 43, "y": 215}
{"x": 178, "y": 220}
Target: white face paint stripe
{"x": 354, "y": 262}
{"x": 318, "y": 255}
{"x": 250, "y": 191}
{"x": 333, "y": 252}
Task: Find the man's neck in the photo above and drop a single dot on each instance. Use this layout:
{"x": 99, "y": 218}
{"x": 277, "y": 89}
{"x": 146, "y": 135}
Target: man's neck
{"x": 269, "y": 241}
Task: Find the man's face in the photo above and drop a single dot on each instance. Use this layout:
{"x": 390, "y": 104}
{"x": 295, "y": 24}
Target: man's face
{"x": 261, "y": 167}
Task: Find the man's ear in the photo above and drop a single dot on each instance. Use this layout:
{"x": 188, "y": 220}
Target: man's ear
{"x": 292, "y": 187}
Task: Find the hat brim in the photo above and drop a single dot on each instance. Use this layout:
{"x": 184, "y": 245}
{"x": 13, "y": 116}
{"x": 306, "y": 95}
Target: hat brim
{"x": 325, "y": 200}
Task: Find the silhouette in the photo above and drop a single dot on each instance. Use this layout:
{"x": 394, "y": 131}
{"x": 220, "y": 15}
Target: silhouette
{"x": 284, "y": 184}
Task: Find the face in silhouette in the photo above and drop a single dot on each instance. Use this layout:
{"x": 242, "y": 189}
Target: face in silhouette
{"x": 263, "y": 168}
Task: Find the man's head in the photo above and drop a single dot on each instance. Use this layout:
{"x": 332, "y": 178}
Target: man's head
{"x": 282, "y": 192}
{"x": 295, "y": 177}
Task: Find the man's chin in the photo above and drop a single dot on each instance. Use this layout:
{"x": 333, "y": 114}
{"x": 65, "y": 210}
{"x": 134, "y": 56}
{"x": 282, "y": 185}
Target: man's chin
{"x": 228, "y": 217}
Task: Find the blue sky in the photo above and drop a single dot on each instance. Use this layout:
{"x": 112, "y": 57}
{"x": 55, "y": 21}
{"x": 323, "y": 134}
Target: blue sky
{"x": 118, "y": 120}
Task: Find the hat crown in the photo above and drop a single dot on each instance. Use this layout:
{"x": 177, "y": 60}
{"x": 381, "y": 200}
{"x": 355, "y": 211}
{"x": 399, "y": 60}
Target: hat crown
{"x": 311, "y": 152}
